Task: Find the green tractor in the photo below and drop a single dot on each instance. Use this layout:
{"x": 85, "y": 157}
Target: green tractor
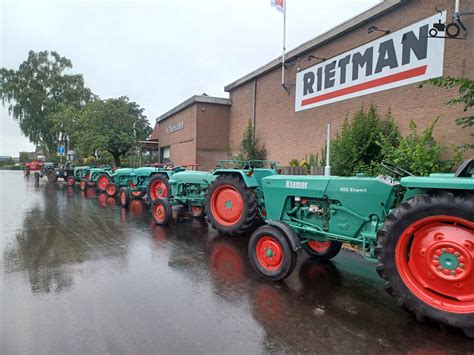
{"x": 98, "y": 177}
{"x": 78, "y": 175}
{"x": 148, "y": 180}
{"x": 419, "y": 230}
{"x": 231, "y": 198}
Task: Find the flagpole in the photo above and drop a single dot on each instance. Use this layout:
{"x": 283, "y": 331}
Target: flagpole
{"x": 284, "y": 47}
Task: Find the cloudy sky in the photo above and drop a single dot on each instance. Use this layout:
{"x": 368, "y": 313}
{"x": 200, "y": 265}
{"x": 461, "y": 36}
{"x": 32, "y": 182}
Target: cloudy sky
{"x": 158, "y": 52}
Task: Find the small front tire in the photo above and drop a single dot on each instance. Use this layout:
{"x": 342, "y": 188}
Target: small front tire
{"x": 271, "y": 254}
{"x": 162, "y": 211}
{"x": 124, "y": 197}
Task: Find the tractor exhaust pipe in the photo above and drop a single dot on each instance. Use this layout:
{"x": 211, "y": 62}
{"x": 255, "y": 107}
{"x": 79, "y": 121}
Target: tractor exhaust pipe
{"x": 327, "y": 168}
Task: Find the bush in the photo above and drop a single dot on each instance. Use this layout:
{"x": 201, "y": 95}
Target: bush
{"x": 418, "y": 153}
{"x": 355, "y": 149}
{"x": 249, "y": 147}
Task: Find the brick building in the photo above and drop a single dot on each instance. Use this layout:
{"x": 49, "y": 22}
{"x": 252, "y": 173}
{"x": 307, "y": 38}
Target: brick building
{"x": 338, "y": 72}
{"x": 194, "y": 132}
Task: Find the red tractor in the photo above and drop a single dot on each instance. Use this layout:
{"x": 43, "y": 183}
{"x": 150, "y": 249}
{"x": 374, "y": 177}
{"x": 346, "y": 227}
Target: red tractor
{"x": 34, "y": 165}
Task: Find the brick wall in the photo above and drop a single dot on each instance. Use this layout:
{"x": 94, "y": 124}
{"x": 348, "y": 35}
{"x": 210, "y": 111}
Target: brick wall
{"x": 288, "y": 135}
{"x": 212, "y": 135}
{"x": 182, "y": 143}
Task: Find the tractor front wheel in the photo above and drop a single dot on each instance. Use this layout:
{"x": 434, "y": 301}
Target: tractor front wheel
{"x": 196, "y": 211}
{"x": 83, "y": 185}
{"x": 231, "y": 207}
{"x": 322, "y": 250}
{"x": 158, "y": 187}
{"x": 102, "y": 181}
{"x": 26, "y": 172}
{"x": 52, "y": 176}
{"x": 111, "y": 189}
{"x": 426, "y": 255}
{"x": 70, "y": 181}
{"x": 162, "y": 211}
{"x": 124, "y": 197}
{"x": 271, "y": 254}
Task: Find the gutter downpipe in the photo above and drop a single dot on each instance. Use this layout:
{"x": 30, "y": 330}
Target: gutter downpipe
{"x": 254, "y": 111}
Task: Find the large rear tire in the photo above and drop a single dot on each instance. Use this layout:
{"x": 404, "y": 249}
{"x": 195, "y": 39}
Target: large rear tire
{"x": 271, "y": 254}
{"x": 102, "y": 182}
{"x": 158, "y": 187}
{"x": 231, "y": 207}
{"x": 52, "y": 176}
{"x": 426, "y": 255}
{"x": 322, "y": 250}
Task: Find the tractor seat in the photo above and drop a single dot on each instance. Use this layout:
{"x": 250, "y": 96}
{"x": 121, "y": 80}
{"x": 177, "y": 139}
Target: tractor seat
{"x": 465, "y": 168}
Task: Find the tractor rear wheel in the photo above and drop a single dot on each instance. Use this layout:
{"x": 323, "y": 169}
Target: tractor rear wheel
{"x": 70, "y": 181}
{"x": 102, "y": 182}
{"x": 158, "y": 187}
{"x": 111, "y": 189}
{"x": 162, "y": 211}
{"x": 271, "y": 254}
{"x": 426, "y": 255}
{"x": 196, "y": 211}
{"x": 231, "y": 207}
{"x": 51, "y": 175}
{"x": 124, "y": 197}
{"x": 322, "y": 250}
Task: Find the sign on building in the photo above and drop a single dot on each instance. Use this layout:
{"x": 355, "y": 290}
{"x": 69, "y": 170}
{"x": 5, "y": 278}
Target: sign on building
{"x": 175, "y": 127}
{"x": 404, "y": 57}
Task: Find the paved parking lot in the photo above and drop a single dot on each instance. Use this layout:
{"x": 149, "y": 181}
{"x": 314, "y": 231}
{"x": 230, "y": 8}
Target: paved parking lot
{"x": 80, "y": 275}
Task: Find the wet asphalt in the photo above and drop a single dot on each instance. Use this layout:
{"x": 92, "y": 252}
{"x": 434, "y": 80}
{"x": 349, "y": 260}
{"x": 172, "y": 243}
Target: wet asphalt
{"x": 81, "y": 275}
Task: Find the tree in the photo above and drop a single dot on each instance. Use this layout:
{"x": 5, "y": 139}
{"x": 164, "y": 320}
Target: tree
{"x": 24, "y": 157}
{"x": 113, "y": 125}
{"x": 355, "y": 148}
{"x": 249, "y": 147}
{"x": 37, "y": 91}
{"x": 466, "y": 97}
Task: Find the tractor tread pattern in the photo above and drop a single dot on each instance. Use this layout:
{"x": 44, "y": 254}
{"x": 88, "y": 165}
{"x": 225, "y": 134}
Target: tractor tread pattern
{"x": 249, "y": 197}
{"x": 435, "y": 202}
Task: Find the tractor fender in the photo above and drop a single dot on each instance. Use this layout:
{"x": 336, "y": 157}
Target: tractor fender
{"x": 285, "y": 228}
{"x": 249, "y": 181}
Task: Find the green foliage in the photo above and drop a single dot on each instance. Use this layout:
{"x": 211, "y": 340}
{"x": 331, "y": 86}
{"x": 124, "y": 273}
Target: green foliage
{"x": 249, "y": 147}
{"x": 37, "y": 91}
{"x": 24, "y": 157}
{"x": 7, "y": 162}
{"x": 113, "y": 126}
{"x": 418, "y": 153}
{"x": 294, "y": 162}
{"x": 313, "y": 159}
{"x": 355, "y": 148}
{"x": 466, "y": 97}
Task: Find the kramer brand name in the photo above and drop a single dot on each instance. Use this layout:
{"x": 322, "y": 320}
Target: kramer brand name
{"x": 404, "y": 57}
{"x": 296, "y": 184}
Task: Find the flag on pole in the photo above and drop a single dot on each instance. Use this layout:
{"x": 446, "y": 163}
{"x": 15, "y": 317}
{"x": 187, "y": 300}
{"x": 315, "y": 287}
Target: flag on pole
{"x": 279, "y": 4}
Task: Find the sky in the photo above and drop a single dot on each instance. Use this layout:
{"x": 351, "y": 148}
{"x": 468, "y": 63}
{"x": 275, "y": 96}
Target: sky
{"x": 157, "y": 52}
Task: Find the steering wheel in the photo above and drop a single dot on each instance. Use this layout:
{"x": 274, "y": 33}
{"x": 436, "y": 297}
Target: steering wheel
{"x": 170, "y": 166}
{"x": 395, "y": 170}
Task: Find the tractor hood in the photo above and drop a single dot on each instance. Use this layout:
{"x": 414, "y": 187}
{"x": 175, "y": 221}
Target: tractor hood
{"x": 190, "y": 176}
{"x": 438, "y": 181}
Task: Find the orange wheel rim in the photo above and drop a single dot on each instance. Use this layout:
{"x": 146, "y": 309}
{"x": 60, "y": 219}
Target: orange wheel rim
{"x": 319, "y": 247}
{"x": 227, "y": 205}
{"x": 435, "y": 259}
{"x": 158, "y": 189}
{"x": 269, "y": 253}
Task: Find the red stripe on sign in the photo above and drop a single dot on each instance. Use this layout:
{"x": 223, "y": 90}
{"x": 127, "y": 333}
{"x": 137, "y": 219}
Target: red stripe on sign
{"x": 407, "y": 74}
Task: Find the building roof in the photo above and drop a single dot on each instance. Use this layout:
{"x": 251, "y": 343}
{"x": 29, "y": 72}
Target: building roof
{"x": 335, "y": 32}
{"x": 191, "y": 101}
